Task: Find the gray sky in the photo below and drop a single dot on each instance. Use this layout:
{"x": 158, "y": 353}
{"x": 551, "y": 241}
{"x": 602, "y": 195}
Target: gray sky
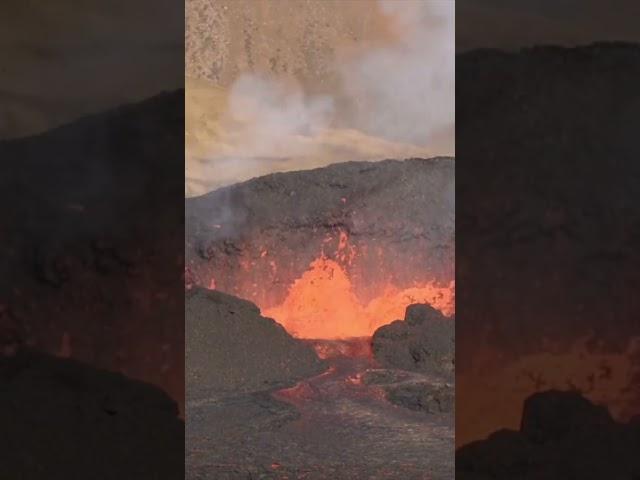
{"x": 68, "y": 58}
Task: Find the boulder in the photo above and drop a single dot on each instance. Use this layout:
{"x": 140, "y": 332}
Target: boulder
{"x": 231, "y": 348}
{"x": 423, "y": 342}
{"x": 423, "y": 396}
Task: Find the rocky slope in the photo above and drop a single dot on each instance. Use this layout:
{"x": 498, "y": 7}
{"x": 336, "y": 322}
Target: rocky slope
{"x": 385, "y": 222}
{"x": 230, "y": 348}
{"x": 230, "y": 37}
{"x": 91, "y": 245}
{"x": 417, "y": 356}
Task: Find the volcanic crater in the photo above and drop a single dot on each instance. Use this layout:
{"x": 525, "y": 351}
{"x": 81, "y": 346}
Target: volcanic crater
{"x": 324, "y": 258}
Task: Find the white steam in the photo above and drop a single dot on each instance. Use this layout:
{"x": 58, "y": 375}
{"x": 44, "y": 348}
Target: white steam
{"x": 406, "y": 91}
{"x": 393, "y": 101}
{"x": 275, "y": 119}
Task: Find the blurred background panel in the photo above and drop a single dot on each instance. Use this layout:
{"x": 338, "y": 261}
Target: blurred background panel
{"x": 547, "y": 219}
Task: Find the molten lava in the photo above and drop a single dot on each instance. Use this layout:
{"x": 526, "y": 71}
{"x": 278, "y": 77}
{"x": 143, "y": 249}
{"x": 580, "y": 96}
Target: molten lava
{"x": 322, "y": 304}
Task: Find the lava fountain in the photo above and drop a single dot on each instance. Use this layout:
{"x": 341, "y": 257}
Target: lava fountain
{"x": 318, "y": 250}
{"x": 322, "y": 303}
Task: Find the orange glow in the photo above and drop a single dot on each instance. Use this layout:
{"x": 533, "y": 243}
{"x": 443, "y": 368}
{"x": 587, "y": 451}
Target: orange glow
{"x": 322, "y": 304}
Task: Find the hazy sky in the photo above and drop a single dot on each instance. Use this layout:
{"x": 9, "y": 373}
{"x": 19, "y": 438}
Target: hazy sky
{"x": 517, "y": 23}
{"x": 64, "y": 59}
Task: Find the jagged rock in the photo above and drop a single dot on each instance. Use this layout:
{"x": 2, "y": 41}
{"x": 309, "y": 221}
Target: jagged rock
{"x": 423, "y": 396}
{"x": 423, "y": 342}
{"x": 231, "y": 348}
{"x": 62, "y": 420}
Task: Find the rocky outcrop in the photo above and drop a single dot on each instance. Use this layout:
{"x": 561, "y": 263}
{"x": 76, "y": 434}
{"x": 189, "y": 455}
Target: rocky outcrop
{"x": 62, "y": 419}
{"x": 563, "y": 435}
{"x": 417, "y": 358}
{"x": 423, "y": 396}
{"x": 424, "y": 342}
{"x": 230, "y": 348}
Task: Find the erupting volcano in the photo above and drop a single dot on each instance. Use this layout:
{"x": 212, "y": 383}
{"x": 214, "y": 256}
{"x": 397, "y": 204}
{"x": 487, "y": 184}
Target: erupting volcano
{"x": 322, "y": 303}
{"x": 335, "y": 256}
{"x": 332, "y": 264}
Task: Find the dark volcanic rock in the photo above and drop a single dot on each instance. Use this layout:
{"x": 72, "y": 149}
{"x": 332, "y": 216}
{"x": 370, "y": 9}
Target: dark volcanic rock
{"x": 278, "y": 224}
{"x": 231, "y": 348}
{"x": 64, "y": 420}
{"x": 563, "y": 435}
{"x": 91, "y": 250}
{"x": 423, "y": 396}
{"x": 423, "y": 342}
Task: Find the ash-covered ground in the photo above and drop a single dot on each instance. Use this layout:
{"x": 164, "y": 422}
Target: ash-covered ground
{"x": 261, "y": 404}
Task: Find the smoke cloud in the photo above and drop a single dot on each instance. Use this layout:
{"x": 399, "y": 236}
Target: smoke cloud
{"x": 406, "y": 91}
{"x": 392, "y": 100}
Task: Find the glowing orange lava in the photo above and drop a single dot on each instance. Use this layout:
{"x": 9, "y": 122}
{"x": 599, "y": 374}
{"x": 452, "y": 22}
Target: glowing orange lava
{"x": 322, "y": 304}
